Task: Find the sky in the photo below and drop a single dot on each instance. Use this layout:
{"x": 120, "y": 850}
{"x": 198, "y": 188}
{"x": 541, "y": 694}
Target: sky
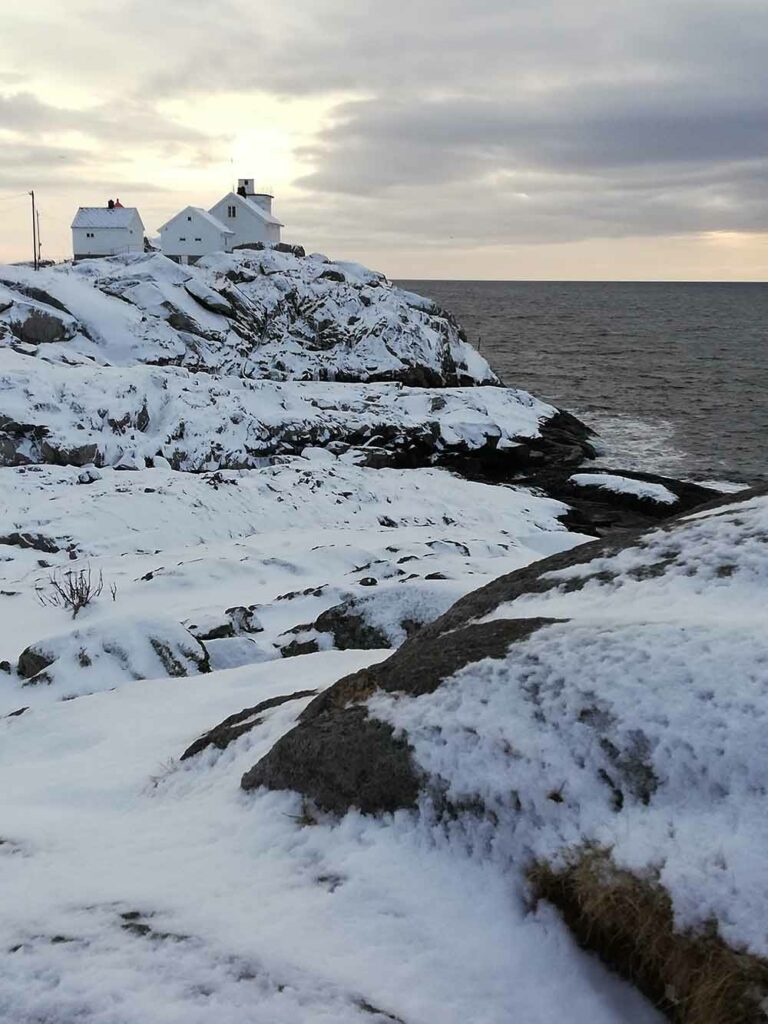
{"x": 484, "y": 139}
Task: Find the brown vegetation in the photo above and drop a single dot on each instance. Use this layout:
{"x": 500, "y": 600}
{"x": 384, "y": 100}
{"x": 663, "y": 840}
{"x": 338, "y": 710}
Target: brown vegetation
{"x": 693, "y": 977}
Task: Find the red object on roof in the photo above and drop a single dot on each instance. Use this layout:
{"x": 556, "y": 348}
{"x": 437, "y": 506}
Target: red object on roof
{"x": 118, "y": 204}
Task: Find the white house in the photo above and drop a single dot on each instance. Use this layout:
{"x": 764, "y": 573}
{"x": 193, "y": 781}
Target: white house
{"x": 106, "y": 231}
{"x": 248, "y": 214}
{"x": 239, "y": 218}
{"x": 193, "y": 233}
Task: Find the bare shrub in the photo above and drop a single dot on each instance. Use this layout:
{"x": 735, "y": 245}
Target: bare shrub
{"x": 72, "y": 589}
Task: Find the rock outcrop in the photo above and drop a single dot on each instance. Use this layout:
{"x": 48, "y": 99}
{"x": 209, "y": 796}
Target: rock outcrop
{"x": 258, "y": 313}
{"x": 606, "y": 706}
{"x": 112, "y": 651}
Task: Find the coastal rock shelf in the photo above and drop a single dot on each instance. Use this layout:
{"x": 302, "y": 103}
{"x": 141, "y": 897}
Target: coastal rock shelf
{"x": 247, "y": 356}
{"x": 315, "y": 697}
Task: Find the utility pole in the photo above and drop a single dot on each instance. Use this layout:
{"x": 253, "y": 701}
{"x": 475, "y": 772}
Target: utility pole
{"x": 39, "y": 242}
{"x": 34, "y": 231}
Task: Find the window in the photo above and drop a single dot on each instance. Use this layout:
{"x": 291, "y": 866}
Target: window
{"x": 198, "y": 239}
{"x": 182, "y": 238}
{"x": 89, "y": 234}
{"x": 189, "y": 218}
{"x": 231, "y": 211}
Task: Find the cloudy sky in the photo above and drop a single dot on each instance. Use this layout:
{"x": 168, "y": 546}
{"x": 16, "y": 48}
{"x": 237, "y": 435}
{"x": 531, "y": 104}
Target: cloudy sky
{"x": 429, "y": 138}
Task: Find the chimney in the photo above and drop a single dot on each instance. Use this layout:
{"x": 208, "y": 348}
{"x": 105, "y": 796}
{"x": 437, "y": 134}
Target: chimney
{"x": 245, "y": 188}
{"x": 110, "y": 204}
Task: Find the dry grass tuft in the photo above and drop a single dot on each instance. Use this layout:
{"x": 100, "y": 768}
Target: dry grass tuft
{"x": 695, "y": 978}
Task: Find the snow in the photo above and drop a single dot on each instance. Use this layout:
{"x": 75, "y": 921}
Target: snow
{"x": 116, "y": 650}
{"x": 291, "y": 320}
{"x": 103, "y": 217}
{"x": 200, "y": 544}
{"x": 626, "y": 485}
{"x": 268, "y": 920}
{"x": 199, "y": 441}
{"x": 654, "y": 686}
{"x": 198, "y": 421}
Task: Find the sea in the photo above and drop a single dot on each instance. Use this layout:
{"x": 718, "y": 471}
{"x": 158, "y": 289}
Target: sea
{"x": 672, "y": 376}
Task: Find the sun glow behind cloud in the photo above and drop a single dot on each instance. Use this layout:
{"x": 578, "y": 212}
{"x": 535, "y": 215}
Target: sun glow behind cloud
{"x": 512, "y": 140}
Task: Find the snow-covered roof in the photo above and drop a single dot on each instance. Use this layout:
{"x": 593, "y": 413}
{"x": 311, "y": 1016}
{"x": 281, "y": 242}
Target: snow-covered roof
{"x": 199, "y": 212}
{"x": 103, "y": 217}
{"x": 254, "y": 207}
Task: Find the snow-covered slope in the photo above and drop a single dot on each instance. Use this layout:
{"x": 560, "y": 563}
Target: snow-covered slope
{"x": 275, "y": 546}
{"x": 138, "y": 886}
{"x": 258, "y": 314}
{"x": 611, "y": 702}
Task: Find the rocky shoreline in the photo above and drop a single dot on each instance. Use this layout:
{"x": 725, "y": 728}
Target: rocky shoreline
{"x": 271, "y": 523}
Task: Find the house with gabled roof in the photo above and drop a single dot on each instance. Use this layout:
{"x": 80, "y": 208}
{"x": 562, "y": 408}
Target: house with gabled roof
{"x": 192, "y": 233}
{"x": 242, "y": 217}
{"x": 248, "y": 214}
{"x": 106, "y": 231}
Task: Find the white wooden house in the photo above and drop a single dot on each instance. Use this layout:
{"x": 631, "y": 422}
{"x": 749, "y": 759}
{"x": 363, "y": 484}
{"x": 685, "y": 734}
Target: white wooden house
{"x": 239, "y": 218}
{"x": 106, "y": 231}
{"x": 193, "y": 233}
{"x": 248, "y": 214}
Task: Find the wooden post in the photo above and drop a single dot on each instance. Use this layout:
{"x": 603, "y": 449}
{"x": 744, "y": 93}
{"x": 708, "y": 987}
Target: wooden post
{"x": 34, "y": 231}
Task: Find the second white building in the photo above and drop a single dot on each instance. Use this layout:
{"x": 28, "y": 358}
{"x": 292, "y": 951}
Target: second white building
{"x": 239, "y": 218}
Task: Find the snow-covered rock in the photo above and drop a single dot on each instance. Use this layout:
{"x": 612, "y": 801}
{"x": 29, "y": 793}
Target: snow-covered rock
{"x": 611, "y": 702}
{"x": 384, "y": 618}
{"x": 249, "y": 314}
{"x": 626, "y": 485}
{"x": 74, "y": 415}
{"x": 114, "y": 650}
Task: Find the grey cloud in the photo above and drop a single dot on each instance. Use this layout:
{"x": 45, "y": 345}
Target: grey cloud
{"x": 126, "y": 123}
{"x": 475, "y": 123}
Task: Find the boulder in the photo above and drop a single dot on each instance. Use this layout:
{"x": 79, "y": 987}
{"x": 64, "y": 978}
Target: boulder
{"x": 40, "y": 328}
{"x": 384, "y": 618}
{"x": 110, "y": 651}
{"x": 208, "y": 298}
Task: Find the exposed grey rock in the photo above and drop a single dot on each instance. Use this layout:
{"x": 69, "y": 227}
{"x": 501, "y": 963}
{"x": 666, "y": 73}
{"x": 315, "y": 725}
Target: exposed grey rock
{"x": 339, "y": 757}
{"x": 32, "y": 660}
{"x": 40, "y": 328}
{"x": 77, "y": 455}
{"x": 355, "y": 762}
{"x": 236, "y": 725}
{"x": 37, "y": 541}
{"x": 208, "y": 298}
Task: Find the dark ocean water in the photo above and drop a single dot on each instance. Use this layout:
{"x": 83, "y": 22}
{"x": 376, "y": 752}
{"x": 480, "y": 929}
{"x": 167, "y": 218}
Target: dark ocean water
{"x": 674, "y": 377}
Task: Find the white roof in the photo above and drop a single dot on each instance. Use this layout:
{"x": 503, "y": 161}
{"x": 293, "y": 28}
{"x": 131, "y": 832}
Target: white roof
{"x": 253, "y": 207}
{"x": 103, "y": 217}
{"x": 197, "y": 211}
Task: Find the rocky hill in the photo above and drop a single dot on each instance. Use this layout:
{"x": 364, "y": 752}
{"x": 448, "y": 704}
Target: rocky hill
{"x": 270, "y": 518}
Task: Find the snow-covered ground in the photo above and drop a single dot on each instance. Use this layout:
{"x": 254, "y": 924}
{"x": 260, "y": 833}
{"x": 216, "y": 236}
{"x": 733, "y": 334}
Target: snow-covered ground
{"x": 136, "y": 887}
{"x": 642, "y": 703}
{"x": 205, "y": 445}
